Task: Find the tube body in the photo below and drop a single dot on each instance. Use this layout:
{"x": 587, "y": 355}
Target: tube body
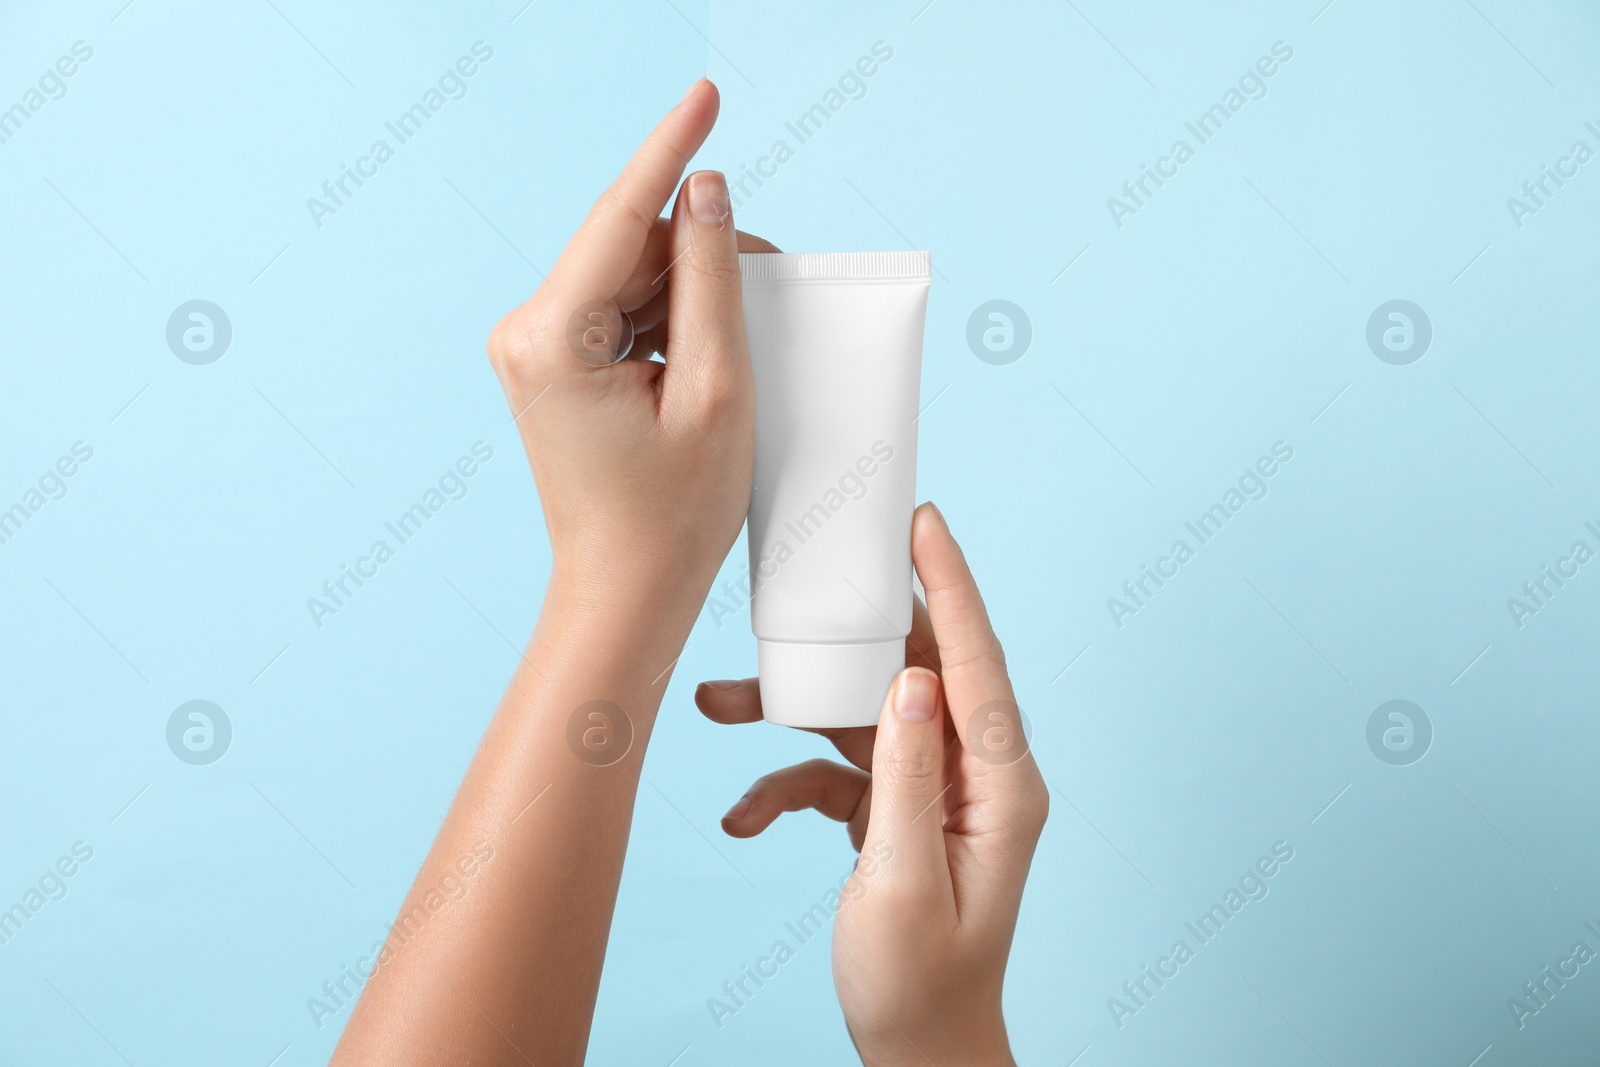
{"x": 836, "y": 347}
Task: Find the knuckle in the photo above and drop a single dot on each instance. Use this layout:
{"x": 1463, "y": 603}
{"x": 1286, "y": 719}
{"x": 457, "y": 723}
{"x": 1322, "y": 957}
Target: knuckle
{"x": 1033, "y": 809}
{"x": 980, "y": 653}
{"x": 515, "y": 340}
{"x": 907, "y": 763}
{"x": 713, "y": 277}
{"x": 619, "y": 203}
{"x": 719, "y": 271}
{"x": 497, "y": 345}
{"x": 957, "y": 598}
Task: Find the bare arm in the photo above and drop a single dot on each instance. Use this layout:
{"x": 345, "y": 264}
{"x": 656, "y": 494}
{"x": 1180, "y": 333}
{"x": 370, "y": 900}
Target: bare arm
{"x": 495, "y": 956}
{"x": 642, "y": 470}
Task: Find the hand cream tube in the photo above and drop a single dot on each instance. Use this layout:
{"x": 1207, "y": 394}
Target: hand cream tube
{"x": 836, "y": 347}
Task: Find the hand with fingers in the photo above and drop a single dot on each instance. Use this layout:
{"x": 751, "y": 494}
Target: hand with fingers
{"x": 643, "y": 466}
{"x": 643, "y": 475}
{"x": 944, "y": 797}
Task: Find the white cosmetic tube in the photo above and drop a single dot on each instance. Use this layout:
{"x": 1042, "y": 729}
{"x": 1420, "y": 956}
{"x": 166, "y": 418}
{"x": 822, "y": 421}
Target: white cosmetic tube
{"x": 836, "y": 346}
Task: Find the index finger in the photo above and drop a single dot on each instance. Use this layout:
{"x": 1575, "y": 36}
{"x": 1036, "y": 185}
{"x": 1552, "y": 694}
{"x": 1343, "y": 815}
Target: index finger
{"x": 733, "y": 702}
{"x": 602, "y": 255}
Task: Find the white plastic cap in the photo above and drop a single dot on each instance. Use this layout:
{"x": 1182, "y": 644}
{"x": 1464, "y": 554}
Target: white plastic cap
{"x": 827, "y": 685}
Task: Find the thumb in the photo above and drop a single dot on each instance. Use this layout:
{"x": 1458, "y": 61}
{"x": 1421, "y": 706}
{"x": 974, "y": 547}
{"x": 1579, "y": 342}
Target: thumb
{"x": 908, "y": 785}
{"x": 708, "y": 363}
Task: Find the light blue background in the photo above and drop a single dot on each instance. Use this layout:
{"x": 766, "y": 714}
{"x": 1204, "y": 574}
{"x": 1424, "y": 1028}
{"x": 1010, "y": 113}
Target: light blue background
{"x": 1223, "y": 317}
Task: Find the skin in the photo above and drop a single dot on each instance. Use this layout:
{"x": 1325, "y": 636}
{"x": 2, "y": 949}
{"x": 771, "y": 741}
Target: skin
{"x": 921, "y": 939}
{"x": 643, "y": 470}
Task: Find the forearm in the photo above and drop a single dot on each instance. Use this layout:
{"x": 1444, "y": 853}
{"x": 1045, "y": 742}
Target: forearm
{"x": 508, "y": 972}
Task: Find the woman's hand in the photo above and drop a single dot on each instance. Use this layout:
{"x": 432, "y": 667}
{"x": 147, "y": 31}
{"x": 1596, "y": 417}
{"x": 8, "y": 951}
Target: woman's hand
{"x": 643, "y": 467}
{"x": 642, "y": 470}
{"x": 946, "y": 821}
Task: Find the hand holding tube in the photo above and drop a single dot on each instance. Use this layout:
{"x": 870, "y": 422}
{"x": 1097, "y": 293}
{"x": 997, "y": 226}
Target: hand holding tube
{"x": 643, "y": 467}
{"x": 950, "y": 815}
{"x": 643, "y": 474}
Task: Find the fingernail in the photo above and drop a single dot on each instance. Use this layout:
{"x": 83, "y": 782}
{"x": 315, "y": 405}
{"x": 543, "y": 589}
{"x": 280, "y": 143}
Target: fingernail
{"x": 740, "y": 807}
{"x": 697, "y": 83}
{"x": 720, "y": 684}
{"x": 914, "y": 700}
{"x": 708, "y": 197}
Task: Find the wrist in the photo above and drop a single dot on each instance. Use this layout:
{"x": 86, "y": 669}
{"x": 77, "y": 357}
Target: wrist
{"x": 632, "y": 625}
{"x": 996, "y": 1055}
{"x": 652, "y": 573}
{"x": 975, "y": 1043}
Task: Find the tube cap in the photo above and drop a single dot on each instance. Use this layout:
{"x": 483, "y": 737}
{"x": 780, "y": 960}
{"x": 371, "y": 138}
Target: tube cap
{"x": 826, "y": 685}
